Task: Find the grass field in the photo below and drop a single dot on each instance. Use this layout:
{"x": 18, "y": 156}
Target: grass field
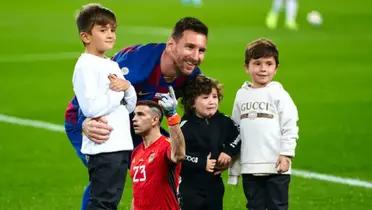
{"x": 327, "y": 71}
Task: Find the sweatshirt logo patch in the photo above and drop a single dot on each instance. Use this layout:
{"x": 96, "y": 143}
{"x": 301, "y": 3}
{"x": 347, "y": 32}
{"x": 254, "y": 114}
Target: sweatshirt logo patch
{"x": 254, "y": 115}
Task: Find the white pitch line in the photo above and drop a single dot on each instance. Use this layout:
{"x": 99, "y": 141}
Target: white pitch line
{"x": 331, "y": 178}
{"x": 296, "y": 172}
{"x": 31, "y": 123}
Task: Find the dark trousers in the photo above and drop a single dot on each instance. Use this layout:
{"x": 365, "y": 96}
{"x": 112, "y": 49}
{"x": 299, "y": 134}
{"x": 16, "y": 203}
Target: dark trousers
{"x": 195, "y": 196}
{"x": 107, "y": 173}
{"x": 266, "y": 192}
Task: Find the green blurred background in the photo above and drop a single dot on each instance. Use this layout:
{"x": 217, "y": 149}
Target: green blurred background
{"x": 327, "y": 71}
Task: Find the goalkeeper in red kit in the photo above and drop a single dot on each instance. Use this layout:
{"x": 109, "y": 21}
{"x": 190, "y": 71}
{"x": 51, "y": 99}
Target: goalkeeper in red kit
{"x": 156, "y": 162}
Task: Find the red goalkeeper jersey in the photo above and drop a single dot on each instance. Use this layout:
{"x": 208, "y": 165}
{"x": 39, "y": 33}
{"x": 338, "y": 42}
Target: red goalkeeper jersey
{"x": 155, "y": 177}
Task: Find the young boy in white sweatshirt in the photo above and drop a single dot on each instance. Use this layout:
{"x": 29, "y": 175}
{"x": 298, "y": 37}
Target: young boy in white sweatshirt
{"x": 102, "y": 90}
{"x": 267, "y": 118}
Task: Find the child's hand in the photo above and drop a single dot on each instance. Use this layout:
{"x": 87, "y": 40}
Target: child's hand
{"x": 222, "y": 163}
{"x": 117, "y": 84}
{"x": 223, "y": 160}
{"x": 283, "y": 164}
{"x": 210, "y": 164}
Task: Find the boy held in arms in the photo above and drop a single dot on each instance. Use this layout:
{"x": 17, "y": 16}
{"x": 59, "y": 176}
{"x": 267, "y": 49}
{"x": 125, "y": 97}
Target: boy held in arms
{"x": 101, "y": 90}
{"x": 268, "y": 119}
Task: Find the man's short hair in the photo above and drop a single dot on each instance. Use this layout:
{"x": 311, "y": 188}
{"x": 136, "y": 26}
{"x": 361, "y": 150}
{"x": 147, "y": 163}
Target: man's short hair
{"x": 189, "y": 23}
{"x": 91, "y": 14}
{"x": 155, "y": 107}
{"x": 261, "y": 48}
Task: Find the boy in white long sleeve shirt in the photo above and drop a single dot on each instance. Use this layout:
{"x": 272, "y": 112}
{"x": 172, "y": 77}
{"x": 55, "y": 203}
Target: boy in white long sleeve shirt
{"x": 101, "y": 90}
{"x": 268, "y": 119}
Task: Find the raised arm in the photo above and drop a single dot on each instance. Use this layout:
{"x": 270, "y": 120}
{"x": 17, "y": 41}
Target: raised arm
{"x": 169, "y": 104}
{"x": 177, "y": 139}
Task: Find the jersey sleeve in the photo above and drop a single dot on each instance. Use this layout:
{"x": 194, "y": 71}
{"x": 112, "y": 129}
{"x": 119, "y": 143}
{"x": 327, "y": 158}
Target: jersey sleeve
{"x": 130, "y": 99}
{"x": 195, "y": 160}
{"x": 232, "y": 142}
{"x": 168, "y": 149}
{"x": 137, "y": 62}
{"x": 131, "y": 69}
{"x": 73, "y": 119}
{"x": 234, "y": 172}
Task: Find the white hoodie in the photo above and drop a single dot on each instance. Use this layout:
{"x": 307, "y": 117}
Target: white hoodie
{"x": 96, "y": 99}
{"x": 268, "y": 119}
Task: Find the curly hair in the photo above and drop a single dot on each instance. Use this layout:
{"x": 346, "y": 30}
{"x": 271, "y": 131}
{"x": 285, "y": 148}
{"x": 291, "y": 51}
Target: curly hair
{"x": 196, "y": 87}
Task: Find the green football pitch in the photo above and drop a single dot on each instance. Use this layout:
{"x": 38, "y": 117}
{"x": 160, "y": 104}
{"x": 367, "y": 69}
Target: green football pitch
{"x": 327, "y": 71}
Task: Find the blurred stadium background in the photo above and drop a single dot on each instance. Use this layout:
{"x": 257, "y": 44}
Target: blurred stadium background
{"x": 327, "y": 71}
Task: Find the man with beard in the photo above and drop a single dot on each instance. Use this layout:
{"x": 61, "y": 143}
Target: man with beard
{"x": 151, "y": 69}
{"x": 156, "y": 162}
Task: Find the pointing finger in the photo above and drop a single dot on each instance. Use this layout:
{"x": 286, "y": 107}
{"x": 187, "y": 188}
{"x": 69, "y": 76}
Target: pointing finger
{"x": 171, "y": 93}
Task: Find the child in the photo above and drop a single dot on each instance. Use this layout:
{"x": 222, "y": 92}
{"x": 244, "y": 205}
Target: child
{"x": 101, "y": 90}
{"x": 267, "y": 118}
{"x": 212, "y": 139}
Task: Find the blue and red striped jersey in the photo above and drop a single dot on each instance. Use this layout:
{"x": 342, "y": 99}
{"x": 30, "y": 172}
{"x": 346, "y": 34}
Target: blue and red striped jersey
{"x": 140, "y": 65}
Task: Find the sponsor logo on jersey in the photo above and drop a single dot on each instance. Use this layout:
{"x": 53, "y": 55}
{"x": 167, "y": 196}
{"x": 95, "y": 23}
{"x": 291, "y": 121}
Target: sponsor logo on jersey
{"x": 125, "y": 70}
{"x": 151, "y": 157}
{"x": 141, "y": 93}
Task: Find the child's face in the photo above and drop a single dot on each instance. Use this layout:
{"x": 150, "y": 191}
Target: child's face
{"x": 262, "y": 70}
{"x": 101, "y": 39}
{"x": 206, "y": 105}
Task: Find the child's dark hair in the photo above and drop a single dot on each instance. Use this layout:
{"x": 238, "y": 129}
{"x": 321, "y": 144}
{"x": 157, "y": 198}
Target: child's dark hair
{"x": 155, "y": 107}
{"x": 196, "y": 87}
{"x": 91, "y": 14}
{"x": 189, "y": 23}
{"x": 261, "y": 48}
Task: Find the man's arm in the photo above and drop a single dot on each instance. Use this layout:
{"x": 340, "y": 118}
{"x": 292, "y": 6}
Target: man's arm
{"x": 132, "y": 204}
{"x": 177, "y": 141}
{"x": 169, "y": 104}
{"x": 97, "y": 129}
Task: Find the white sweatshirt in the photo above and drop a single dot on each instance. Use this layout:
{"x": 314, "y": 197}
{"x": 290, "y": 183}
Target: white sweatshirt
{"x": 268, "y": 119}
{"x": 91, "y": 87}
